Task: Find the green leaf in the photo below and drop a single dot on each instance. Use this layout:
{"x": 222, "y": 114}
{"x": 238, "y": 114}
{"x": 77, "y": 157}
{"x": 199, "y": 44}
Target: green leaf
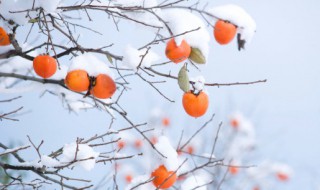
{"x": 109, "y": 58}
{"x": 183, "y": 79}
{"x": 33, "y": 20}
{"x": 197, "y": 56}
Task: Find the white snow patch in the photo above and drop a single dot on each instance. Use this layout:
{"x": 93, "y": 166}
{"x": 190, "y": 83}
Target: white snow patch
{"x": 238, "y": 16}
{"x": 90, "y": 63}
{"x": 49, "y": 162}
{"x": 171, "y": 162}
{"x": 140, "y": 180}
{"x": 199, "y": 82}
{"x": 132, "y": 57}
{"x": 49, "y": 6}
{"x": 194, "y": 182}
{"x": 9, "y": 6}
{"x": 209, "y": 155}
{"x": 282, "y": 168}
{"x": 140, "y": 15}
{"x": 84, "y": 152}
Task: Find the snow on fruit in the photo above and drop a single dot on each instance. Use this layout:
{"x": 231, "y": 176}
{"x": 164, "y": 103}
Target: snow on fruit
{"x": 163, "y": 178}
{"x": 177, "y": 53}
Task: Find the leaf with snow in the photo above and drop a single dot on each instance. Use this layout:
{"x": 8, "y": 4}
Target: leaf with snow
{"x": 82, "y": 152}
{"x": 133, "y": 58}
{"x": 239, "y": 17}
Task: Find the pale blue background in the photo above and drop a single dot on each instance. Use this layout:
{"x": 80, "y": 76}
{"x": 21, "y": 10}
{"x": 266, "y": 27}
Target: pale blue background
{"x": 285, "y": 110}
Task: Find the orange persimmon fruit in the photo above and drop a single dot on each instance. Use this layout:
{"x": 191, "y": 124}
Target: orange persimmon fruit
{"x": 103, "y": 87}
{"x": 177, "y": 53}
{"x": 163, "y": 178}
{"x": 224, "y": 32}
{"x": 282, "y": 176}
{"x": 121, "y": 144}
{"x": 4, "y": 37}
{"x": 128, "y": 178}
{"x": 233, "y": 170}
{"x": 44, "y": 65}
{"x": 234, "y": 123}
{"x": 77, "y": 80}
{"x": 166, "y": 121}
{"x": 195, "y": 105}
{"x": 138, "y": 143}
{"x": 190, "y": 149}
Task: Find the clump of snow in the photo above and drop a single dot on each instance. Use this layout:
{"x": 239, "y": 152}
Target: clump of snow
{"x": 171, "y": 162}
{"x": 133, "y": 57}
{"x": 282, "y": 168}
{"x": 199, "y": 82}
{"x": 80, "y": 152}
{"x": 245, "y": 139}
{"x": 49, "y": 6}
{"x": 90, "y": 63}
{"x": 140, "y": 180}
{"x": 181, "y": 21}
{"x": 208, "y": 155}
{"x": 8, "y": 7}
{"x": 244, "y": 124}
{"x": 49, "y": 162}
{"x": 194, "y": 182}
{"x": 238, "y": 16}
{"x": 140, "y": 15}
{"x": 45, "y": 161}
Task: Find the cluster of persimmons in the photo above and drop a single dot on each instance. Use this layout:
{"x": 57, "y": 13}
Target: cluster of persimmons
{"x": 196, "y": 103}
{"x": 103, "y": 86}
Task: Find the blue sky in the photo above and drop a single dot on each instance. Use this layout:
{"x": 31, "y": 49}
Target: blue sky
{"x": 285, "y": 110}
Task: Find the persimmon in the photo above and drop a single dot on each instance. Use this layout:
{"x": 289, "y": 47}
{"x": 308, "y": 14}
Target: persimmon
{"x": 256, "y": 188}
{"x": 190, "y": 149}
{"x": 77, "y": 80}
{"x": 121, "y": 144}
{"x": 163, "y": 178}
{"x": 233, "y": 170}
{"x": 234, "y": 123}
{"x": 154, "y": 139}
{"x": 44, "y": 65}
{"x": 282, "y": 176}
{"x": 224, "y": 32}
{"x": 195, "y": 105}
{"x": 166, "y": 121}
{"x": 4, "y": 37}
{"x": 177, "y": 53}
{"x": 138, "y": 143}
{"x": 128, "y": 178}
{"x": 103, "y": 87}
